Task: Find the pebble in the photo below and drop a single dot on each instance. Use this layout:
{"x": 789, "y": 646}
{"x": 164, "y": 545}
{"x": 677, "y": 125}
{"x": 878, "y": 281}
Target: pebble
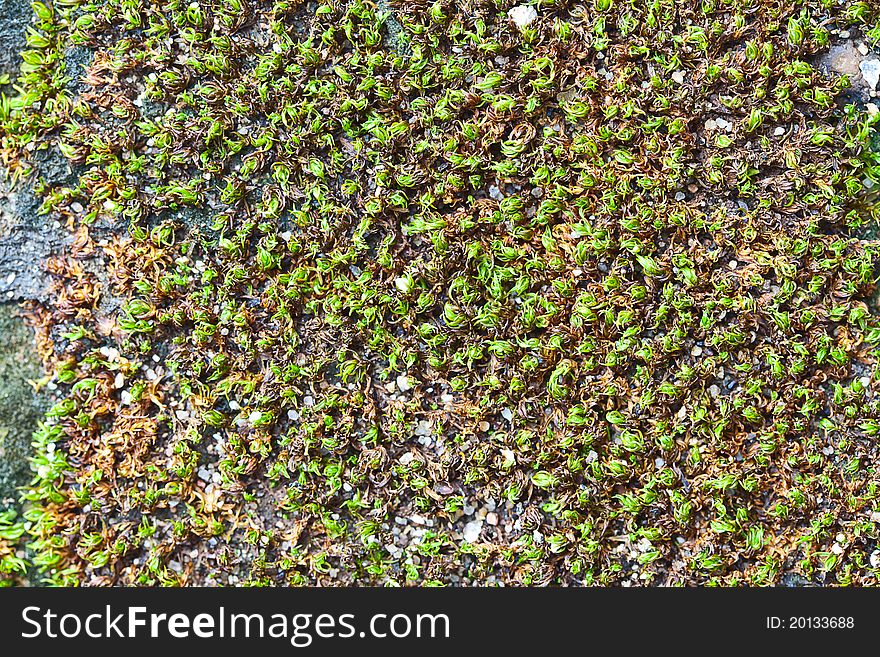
{"x": 678, "y": 76}
{"x": 403, "y": 284}
{"x": 403, "y": 383}
{"x": 507, "y": 414}
{"x": 492, "y": 519}
{"x": 870, "y": 69}
{"x": 406, "y": 458}
{"x": 472, "y": 531}
{"x": 10, "y": 279}
{"x": 863, "y": 48}
{"x": 779, "y": 131}
{"x": 522, "y": 15}
{"x": 292, "y": 415}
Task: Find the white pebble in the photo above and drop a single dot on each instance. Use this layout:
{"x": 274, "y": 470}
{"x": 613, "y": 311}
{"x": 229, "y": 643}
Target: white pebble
{"x": 522, "y": 15}
{"x": 870, "y": 69}
{"x": 472, "y": 531}
{"x": 403, "y": 383}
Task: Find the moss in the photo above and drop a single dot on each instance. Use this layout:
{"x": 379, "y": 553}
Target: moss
{"x": 582, "y": 301}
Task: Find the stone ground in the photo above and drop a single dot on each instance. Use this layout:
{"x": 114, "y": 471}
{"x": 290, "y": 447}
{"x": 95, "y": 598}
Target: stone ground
{"x": 25, "y": 243}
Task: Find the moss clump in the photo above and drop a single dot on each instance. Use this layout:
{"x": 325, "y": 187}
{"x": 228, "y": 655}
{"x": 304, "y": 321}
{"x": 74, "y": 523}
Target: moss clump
{"x": 577, "y": 302}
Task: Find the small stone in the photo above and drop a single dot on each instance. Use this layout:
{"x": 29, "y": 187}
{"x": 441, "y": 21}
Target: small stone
{"x": 492, "y": 519}
{"x": 292, "y": 414}
{"x": 697, "y": 351}
{"x": 10, "y": 279}
{"x": 522, "y": 15}
{"x": 678, "y": 77}
{"x": 472, "y": 531}
{"x": 870, "y": 69}
{"x": 403, "y": 284}
{"x": 403, "y": 383}
{"x": 710, "y": 124}
{"x": 406, "y": 458}
{"x": 714, "y": 390}
{"x": 119, "y": 381}
{"x": 779, "y": 131}
{"x": 875, "y": 559}
{"x": 495, "y": 193}
{"x": 863, "y": 48}
{"x": 507, "y": 414}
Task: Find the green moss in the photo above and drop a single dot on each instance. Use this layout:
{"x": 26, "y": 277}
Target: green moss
{"x": 578, "y": 302}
